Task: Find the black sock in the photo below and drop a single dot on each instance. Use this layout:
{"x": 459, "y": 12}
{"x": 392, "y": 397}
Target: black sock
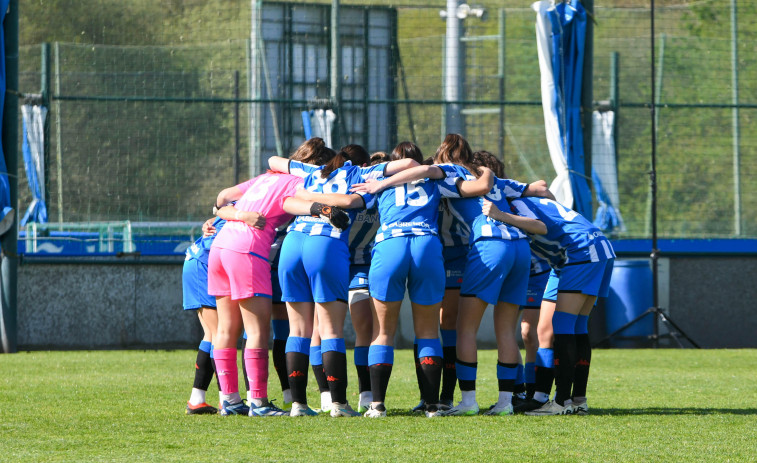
{"x": 280, "y": 362}
{"x": 544, "y": 379}
{"x": 380, "y": 374}
{"x": 530, "y": 389}
{"x": 565, "y": 363}
{"x": 320, "y": 378}
{"x": 519, "y": 388}
{"x": 507, "y": 385}
{"x": 418, "y": 374}
{"x": 335, "y": 367}
{"x": 449, "y": 374}
{"x": 431, "y": 371}
{"x": 203, "y": 370}
{"x": 583, "y": 362}
{"x": 363, "y": 378}
{"x": 297, "y": 372}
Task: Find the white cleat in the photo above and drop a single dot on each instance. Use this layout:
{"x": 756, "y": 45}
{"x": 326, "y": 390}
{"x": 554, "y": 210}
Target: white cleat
{"x": 462, "y": 410}
{"x": 552, "y": 408}
{"x": 344, "y": 409}
{"x": 376, "y": 411}
{"x": 500, "y": 410}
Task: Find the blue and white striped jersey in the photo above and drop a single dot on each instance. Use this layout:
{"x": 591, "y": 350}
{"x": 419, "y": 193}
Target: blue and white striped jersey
{"x": 538, "y": 265}
{"x": 363, "y": 231}
{"x": 411, "y": 208}
{"x": 200, "y": 249}
{"x": 486, "y": 227}
{"x": 338, "y": 181}
{"x": 455, "y": 214}
{"x": 570, "y": 237}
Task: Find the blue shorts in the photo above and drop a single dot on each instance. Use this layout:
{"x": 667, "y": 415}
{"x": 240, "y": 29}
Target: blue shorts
{"x": 359, "y": 276}
{"x": 590, "y": 278}
{"x": 275, "y": 286}
{"x": 536, "y": 285}
{"x": 194, "y": 279}
{"x": 313, "y": 268}
{"x": 497, "y": 271}
{"x": 455, "y": 258}
{"x": 415, "y": 260}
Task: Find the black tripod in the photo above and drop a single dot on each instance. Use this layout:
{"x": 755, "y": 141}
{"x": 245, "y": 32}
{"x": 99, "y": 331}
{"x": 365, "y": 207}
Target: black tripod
{"x": 655, "y": 311}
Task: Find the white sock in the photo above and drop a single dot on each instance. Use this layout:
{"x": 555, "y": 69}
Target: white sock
{"x": 366, "y": 397}
{"x": 249, "y": 397}
{"x": 576, "y": 400}
{"x": 257, "y": 402}
{"x": 505, "y": 398}
{"x": 325, "y": 400}
{"x": 468, "y": 398}
{"x": 197, "y": 397}
{"x": 541, "y": 396}
{"x": 287, "y": 393}
{"x": 232, "y": 398}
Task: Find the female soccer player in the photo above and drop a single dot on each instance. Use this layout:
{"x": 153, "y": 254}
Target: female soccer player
{"x": 408, "y": 252}
{"x": 581, "y": 258}
{"x": 195, "y": 291}
{"x": 239, "y": 277}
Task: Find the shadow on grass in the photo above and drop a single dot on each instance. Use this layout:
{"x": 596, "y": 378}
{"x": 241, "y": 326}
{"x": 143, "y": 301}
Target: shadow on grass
{"x": 672, "y": 411}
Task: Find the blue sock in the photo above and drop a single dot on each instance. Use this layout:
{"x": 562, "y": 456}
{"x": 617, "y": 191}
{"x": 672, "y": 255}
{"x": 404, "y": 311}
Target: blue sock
{"x": 505, "y": 372}
{"x": 466, "y": 371}
{"x": 582, "y": 324}
{"x": 211, "y": 351}
{"x": 333, "y": 344}
{"x": 316, "y": 357}
{"x": 361, "y": 356}
{"x": 530, "y": 372}
{"x": 545, "y": 358}
{"x": 563, "y": 323}
{"x": 520, "y": 377}
{"x": 429, "y": 348}
{"x": 449, "y": 338}
{"x": 205, "y": 346}
{"x": 380, "y": 354}
{"x": 298, "y": 344}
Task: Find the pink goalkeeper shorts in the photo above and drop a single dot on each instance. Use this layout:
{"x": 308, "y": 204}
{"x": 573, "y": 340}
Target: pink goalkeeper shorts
{"x": 239, "y": 275}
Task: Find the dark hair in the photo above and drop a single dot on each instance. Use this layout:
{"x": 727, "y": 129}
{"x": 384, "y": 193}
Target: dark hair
{"x": 336, "y": 162}
{"x": 313, "y": 151}
{"x": 455, "y": 150}
{"x": 356, "y": 153}
{"x": 378, "y": 157}
{"x": 487, "y": 159}
{"x": 407, "y": 150}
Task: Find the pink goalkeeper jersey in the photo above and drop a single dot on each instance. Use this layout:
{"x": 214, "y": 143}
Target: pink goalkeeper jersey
{"x": 264, "y": 194}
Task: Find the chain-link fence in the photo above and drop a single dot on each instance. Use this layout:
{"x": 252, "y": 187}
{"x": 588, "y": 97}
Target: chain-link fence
{"x": 152, "y": 114}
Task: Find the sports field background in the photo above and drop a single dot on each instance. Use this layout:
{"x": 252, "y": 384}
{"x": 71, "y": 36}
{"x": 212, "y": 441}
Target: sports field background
{"x": 128, "y": 406}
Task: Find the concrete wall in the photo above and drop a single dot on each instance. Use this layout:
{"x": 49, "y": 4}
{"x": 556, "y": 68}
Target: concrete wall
{"x": 102, "y": 306}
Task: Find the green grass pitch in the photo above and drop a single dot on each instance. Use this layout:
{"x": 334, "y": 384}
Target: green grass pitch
{"x": 127, "y": 406}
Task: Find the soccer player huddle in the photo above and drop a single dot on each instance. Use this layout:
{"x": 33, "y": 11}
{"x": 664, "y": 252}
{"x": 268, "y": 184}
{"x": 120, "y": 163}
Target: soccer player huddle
{"x": 324, "y": 232}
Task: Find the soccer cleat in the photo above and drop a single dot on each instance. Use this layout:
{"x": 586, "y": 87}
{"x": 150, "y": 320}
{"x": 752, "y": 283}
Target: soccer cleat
{"x": 201, "y": 409}
{"x": 375, "y": 411}
{"x": 420, "y": 408}
{"x": 581, "y": 408}
{"x": 432, "y": 411}
{"x": 519, "y": 399}
{"x": 462, "y": 410}
{"x": 240, "y": 408}
{"x": 444, "y": 405}
{"x": 362, "y": 408}
{"x": 267, "y": 409}
{"x": 552, "y": 408}
{"x": 344, "y": 409}
{"x": 527, "y": 405}
{"x": 299, "y": 409}
{"x": 499, "y": 410}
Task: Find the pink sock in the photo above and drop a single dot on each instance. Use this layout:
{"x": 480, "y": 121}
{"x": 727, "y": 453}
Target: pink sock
{"x": 256, "y": 362}
{"x": 226, "y": 370}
